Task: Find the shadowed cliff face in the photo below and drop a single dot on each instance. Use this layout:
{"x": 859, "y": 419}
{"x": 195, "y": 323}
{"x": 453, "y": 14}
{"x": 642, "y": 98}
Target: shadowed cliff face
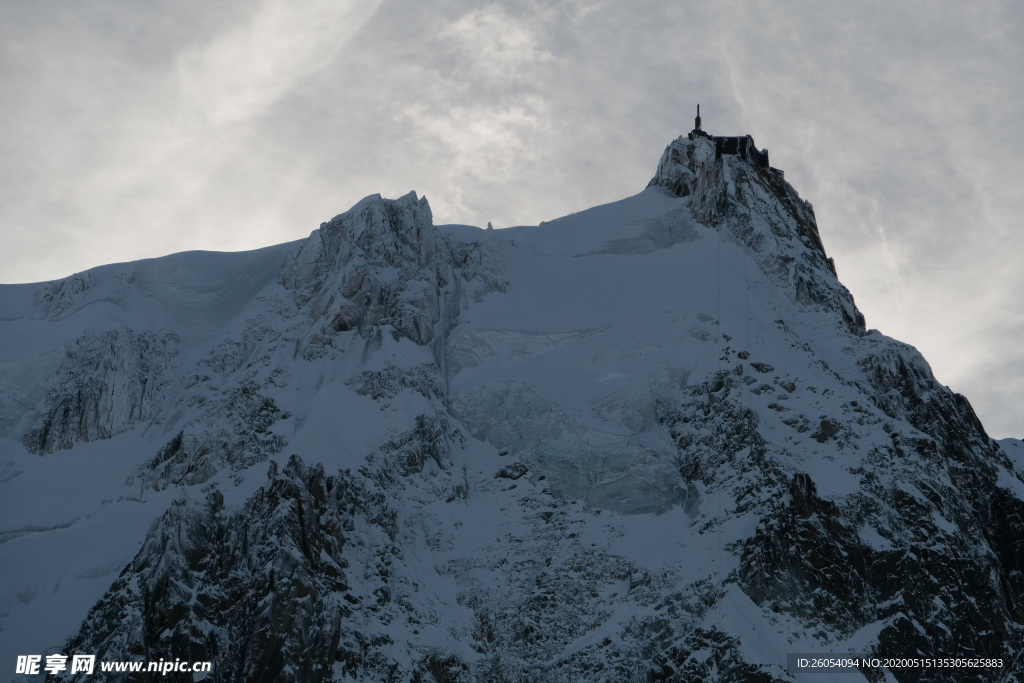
{"x": 107, "y": 385}
{"x": 651, "y": 441}
{"x": 255, "y": 591}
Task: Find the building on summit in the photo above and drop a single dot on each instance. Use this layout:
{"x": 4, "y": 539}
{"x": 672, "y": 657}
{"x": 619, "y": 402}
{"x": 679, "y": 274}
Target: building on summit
{"x": 742, "y": 146}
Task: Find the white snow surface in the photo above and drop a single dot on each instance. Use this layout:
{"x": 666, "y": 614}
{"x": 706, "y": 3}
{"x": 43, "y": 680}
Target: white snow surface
{"x": 600, "y": 322}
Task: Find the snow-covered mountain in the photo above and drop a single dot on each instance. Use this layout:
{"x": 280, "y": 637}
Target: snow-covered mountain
{"x": 650, "y": 441}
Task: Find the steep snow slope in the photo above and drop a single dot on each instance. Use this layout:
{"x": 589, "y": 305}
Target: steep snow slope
{"x": 75, "y": 364}
{"x": 648, "y": 441}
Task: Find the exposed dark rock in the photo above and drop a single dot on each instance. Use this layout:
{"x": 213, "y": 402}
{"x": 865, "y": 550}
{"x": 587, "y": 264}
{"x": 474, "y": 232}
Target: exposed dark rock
{"x": 60, "y": 296}
{"x": 706, "y": 655}
{"x": 389, "y": 381}
{"x": 260, "y": 592}
{"x": 481, "y": 261}
{"x": 430, "y": 440}
{"x": 828, "y": 429}
{"x": 110, "y": 383}
{"x": 195, "y": 457}
{"x": 512, "y": 471}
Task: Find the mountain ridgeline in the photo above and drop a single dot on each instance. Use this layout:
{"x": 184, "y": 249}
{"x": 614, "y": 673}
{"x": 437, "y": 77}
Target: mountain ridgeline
{"x": 650, "y": 441}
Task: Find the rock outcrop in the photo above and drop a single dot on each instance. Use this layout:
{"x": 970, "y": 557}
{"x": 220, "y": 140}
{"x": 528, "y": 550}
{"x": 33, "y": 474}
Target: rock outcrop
{"x": 262, "y": 591}
{"x": 109, "y": 383}
{"x": 382, "y": 263}
{"x": 761, "y": 210}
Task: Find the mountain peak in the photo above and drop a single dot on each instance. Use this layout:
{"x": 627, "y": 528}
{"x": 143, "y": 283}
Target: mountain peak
{"x": 730, "y": 186}
{"x": 380, "y": 262}
{"x": 613, "y": 445}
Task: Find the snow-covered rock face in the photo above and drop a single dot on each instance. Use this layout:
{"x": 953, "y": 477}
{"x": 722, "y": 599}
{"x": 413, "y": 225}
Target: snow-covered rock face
{"x": 382, "y": 263}
{"x": 276, "y": 568}
{"x": 650, "y": 441}
{"x": 108, "y": 384}
{"x": 761, "y": 210}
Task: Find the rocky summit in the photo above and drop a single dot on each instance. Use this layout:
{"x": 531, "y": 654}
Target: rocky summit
{"x": 649, "y": 441}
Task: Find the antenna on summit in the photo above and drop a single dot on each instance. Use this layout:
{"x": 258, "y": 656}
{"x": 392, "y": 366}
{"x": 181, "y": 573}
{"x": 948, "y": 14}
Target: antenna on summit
{"x": 697, "y": 132}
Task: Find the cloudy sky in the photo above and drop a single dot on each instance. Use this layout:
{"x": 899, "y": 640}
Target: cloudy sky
{"x": 132, "y": 130}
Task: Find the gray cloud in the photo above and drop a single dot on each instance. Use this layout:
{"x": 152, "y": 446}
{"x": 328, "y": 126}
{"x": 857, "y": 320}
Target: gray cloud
{"x": 897, "y": 122}
{"x": 137, "y": 129}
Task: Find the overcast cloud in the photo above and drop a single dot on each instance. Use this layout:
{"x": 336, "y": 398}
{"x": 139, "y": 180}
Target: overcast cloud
{"x": 139, "y": 129}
